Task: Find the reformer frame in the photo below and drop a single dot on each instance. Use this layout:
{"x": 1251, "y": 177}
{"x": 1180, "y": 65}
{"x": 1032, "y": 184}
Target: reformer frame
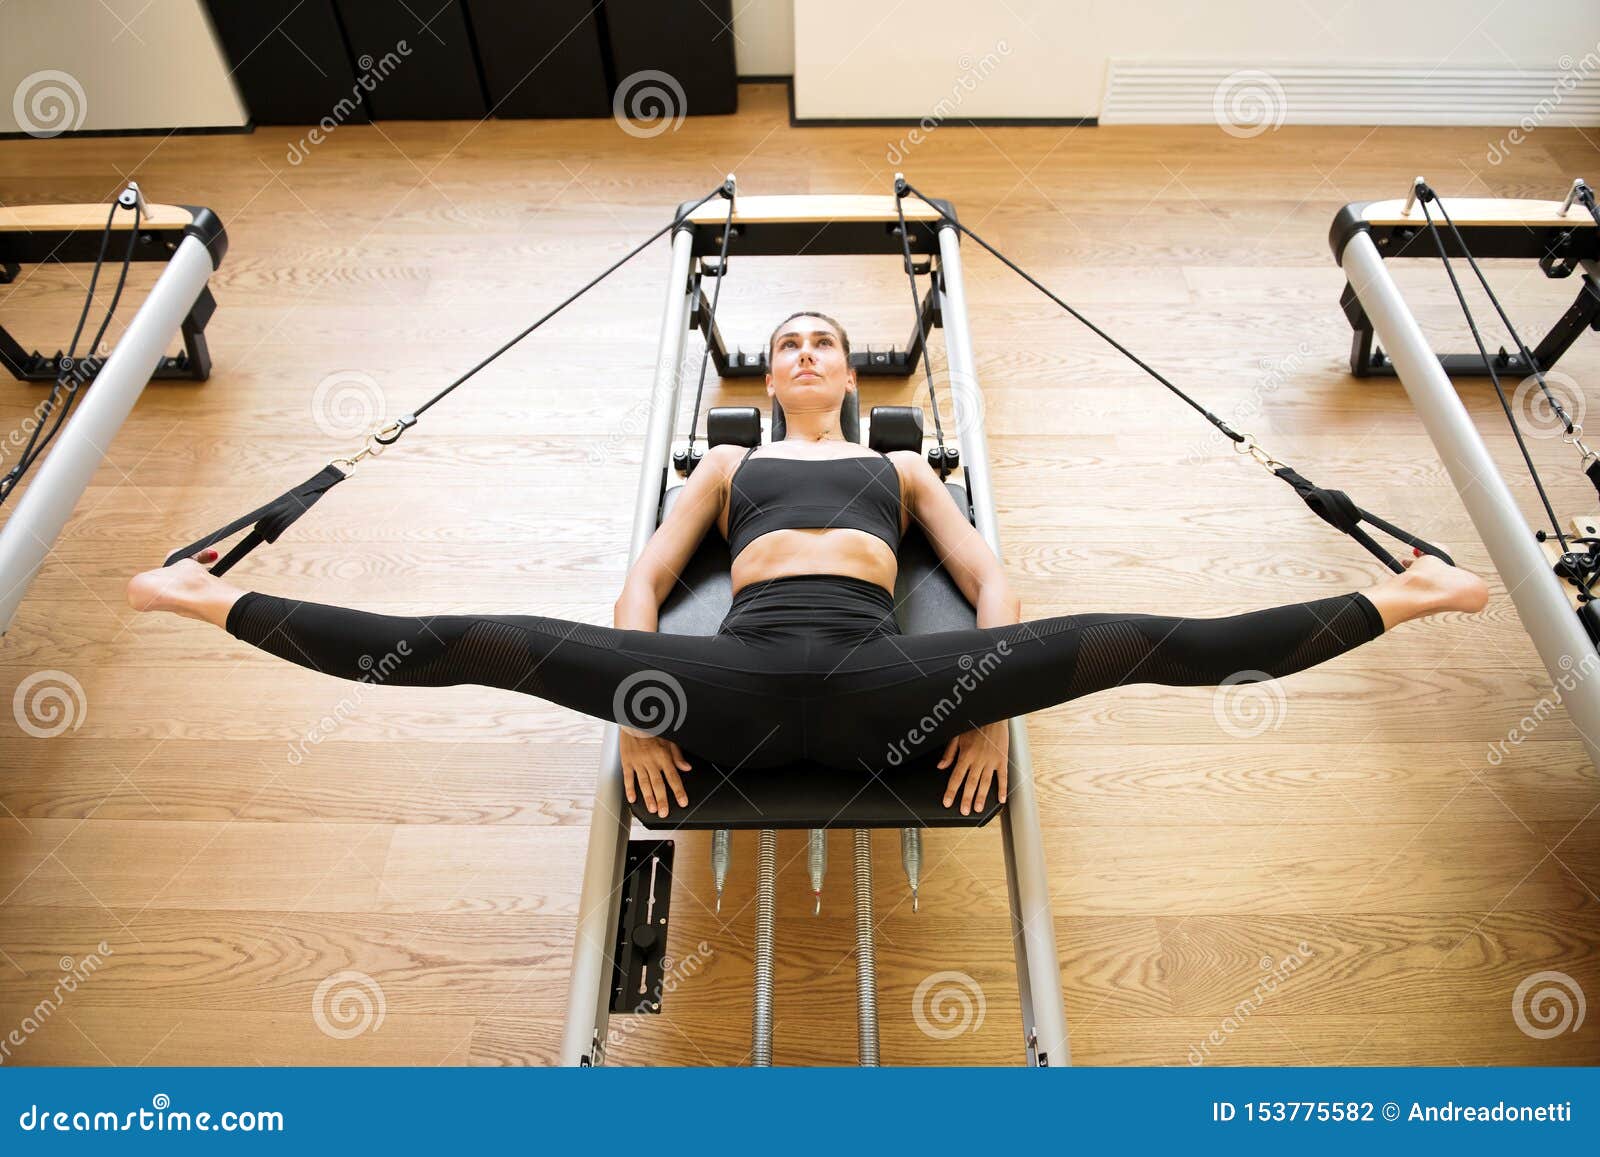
{"x": 192, "y": 243}
{"x": 790, "y": 226}
{"x": 1490, "y": 227}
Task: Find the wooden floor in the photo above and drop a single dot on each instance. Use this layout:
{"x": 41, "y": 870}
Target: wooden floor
{"x": 221, "y": 840}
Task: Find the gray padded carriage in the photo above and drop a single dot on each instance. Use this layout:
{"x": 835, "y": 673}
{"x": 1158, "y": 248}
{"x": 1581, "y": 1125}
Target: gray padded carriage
{"x": 805, "y": 794}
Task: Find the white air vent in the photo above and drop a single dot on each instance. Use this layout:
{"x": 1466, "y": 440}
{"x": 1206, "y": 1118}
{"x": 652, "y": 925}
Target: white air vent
{"x": 1246, "y": 100}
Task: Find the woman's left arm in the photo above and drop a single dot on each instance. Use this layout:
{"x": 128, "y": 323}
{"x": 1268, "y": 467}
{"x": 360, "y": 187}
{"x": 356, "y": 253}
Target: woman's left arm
{"x": 976, "y": 758}
{"x": 960, "y": 547}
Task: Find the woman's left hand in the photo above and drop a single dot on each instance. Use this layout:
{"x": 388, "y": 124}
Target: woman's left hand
{"x": 979, "y": 756}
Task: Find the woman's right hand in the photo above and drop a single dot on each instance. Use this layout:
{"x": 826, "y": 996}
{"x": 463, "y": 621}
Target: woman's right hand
{"x": 654, "y": 763}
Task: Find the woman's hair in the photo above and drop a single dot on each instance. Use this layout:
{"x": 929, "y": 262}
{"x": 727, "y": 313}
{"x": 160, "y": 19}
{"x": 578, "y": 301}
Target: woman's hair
{"x": 844, "y": 338}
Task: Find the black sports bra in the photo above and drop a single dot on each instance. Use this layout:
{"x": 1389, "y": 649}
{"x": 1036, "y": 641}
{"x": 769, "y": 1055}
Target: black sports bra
{"x": 861, "y": 492}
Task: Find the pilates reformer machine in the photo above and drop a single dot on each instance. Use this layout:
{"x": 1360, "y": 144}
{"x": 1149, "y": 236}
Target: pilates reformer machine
{"x": 619, "y": 950}
{"x": 1548, "y": 575}
{"x": 191, "y": 243}
{"x": 622, "y": 914}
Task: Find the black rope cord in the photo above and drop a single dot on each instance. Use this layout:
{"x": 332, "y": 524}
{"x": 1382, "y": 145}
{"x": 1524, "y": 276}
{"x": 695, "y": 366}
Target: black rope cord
{"x": 1573, "y": 431}
{"x": 943, "y": 455}
{"x": 70, "y": 375}
{"x": 1334, "y": 507}
{"x": 711, "y": 317}
{"x": 273, "y": 518}
{"x": 391, "y": 434}
{"x": 1425, "y": 197}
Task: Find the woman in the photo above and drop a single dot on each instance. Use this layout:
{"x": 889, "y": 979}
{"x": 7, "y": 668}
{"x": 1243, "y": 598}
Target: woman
{"x": 809, "y": 662}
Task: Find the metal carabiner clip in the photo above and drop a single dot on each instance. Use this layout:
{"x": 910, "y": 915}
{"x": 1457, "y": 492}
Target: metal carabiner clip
{"x": 1575, "y": 437}
{"x": 1249, "y": 446}
{"x": 377, "y": 441}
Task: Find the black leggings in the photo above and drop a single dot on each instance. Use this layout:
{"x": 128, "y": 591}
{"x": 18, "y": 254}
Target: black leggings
{"x": 806, "y": 666}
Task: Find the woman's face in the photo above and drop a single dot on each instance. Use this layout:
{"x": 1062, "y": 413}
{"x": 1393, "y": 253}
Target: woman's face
{"x": 808, "y": 357}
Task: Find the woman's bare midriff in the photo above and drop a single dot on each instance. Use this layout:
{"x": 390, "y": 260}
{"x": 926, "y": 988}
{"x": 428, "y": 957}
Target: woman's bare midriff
{"x": 831, "y": 550}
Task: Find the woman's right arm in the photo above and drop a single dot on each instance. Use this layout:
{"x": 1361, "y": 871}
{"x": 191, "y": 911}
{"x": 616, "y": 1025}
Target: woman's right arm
{"x": 655, "y": 572}
{"x": 651, "y": 761}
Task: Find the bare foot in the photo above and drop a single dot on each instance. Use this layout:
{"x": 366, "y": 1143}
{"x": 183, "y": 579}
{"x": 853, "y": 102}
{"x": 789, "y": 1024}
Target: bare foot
{"x": 178, "y": 588}
{"x": 1444, "y": 587}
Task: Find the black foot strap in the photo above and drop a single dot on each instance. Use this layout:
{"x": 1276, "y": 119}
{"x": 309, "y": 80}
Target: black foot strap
{"x": 270, "y": 520}
{"x": 1339, "y": 511}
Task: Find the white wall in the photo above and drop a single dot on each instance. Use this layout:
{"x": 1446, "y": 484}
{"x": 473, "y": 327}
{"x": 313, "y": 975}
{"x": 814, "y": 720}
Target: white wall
{"x": 763, "y": 32}
{"x": 116, "y": 64}
{"x": 860, "y": 60}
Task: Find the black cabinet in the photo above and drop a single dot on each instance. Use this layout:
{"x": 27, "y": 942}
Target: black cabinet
{"x": 688, "y": 40}
{"x": 289, "y": 60}
{"x": 414, "y": 58}
{"x": 542, "y": 59}
{"x": 351, "y": 61}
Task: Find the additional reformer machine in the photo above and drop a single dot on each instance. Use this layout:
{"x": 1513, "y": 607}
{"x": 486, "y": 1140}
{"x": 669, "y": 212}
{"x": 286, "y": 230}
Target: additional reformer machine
{"x": 1547, "y": 582}
{"x": 192, "y": 243}
{"x": 619, "y": 945}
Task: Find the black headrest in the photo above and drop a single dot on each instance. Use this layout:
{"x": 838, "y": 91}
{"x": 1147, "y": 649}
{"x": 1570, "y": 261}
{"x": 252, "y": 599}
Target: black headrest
{"x": 733, "y": 426}
{"x": 896, "y": 428}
